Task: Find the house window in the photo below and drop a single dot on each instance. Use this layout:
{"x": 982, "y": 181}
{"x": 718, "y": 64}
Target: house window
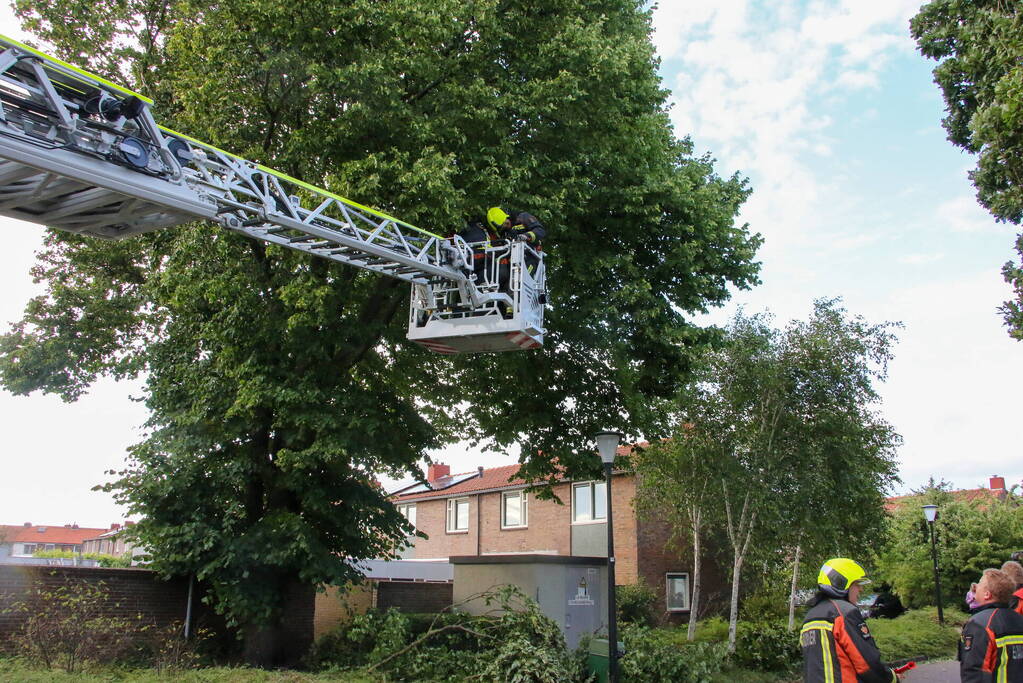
{"x": 589, "y": 501}
{"x": 408, "y": 511}
{"x": 458, "y": 514}
{"x": 677, "y": 592}
{"x": 49, "y": 546}
{"x": 513, "y": 509}
{"x": 28, "y": 549}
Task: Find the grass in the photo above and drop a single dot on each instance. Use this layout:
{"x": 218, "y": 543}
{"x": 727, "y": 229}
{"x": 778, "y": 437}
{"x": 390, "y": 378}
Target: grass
{"x": 16, "y": 670}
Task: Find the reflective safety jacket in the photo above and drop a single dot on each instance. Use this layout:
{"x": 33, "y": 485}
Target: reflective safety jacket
{"x": 526, "y": 224}
{"x": 991, "y": 647}
{"x": 838, "y": 648}
{"x": 1016, "y": 603}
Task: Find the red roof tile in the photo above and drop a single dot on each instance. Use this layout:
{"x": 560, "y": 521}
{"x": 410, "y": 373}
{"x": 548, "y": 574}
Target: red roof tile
{"x": 967, "y": 495}
{"x": 49, "y": 534}
{"x": 488, "y": 480}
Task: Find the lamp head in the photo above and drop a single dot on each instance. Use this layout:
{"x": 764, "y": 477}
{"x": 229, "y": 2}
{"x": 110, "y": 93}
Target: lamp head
{"x": 930, "y": 512}
{"x": 607, "y": 444}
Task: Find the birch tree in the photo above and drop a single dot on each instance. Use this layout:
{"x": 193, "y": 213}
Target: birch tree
{"x": 676, "y": 482}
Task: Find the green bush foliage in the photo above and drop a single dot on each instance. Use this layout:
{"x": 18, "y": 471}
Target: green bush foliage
{"x": 635, "y": 604}
{"x": 515, "y": 642}
{"x": 766, "y": 646}
{"x": 665, "y": 655}
{"x": 66, "y": 628}
{"x": 103, "y": 559}
{"x": 917, "y": 634}
{"x": 971, "y": 536}
{"x": 712, "y": 629}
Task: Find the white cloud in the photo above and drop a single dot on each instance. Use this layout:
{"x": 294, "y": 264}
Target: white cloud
{"x": 964, "y": 214}
{"x": 920, "y": 259}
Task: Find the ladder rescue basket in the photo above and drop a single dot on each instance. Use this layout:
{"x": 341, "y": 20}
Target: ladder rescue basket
{"x": 81, "y": 154}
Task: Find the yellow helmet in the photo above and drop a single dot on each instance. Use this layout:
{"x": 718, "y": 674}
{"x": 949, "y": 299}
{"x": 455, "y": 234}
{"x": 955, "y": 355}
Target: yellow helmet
{"x": 496, "y": 216}
{"x": 838, "y": 575}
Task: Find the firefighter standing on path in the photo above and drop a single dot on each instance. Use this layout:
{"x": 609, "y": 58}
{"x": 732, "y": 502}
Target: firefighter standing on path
{"x": 836, "y": 643}
{"x": 991, "y": 647}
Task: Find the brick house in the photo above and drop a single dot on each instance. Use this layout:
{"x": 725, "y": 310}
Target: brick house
{"x": 489, "y": 512}
{"x": 110, "y": 542}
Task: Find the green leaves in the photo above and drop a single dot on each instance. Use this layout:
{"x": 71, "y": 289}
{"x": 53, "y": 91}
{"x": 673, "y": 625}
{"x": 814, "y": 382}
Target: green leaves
{"x": 279, "y": 386}
{"x": 979, "y": 46}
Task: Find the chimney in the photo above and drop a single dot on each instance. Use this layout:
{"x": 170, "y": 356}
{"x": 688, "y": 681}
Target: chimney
{"x": 997, "y": 483}
{"x": 437, "y": 470}
{"x": 28, "y": 525}
{"x": 115, "y": 526}
{"x": 480, "y": 468}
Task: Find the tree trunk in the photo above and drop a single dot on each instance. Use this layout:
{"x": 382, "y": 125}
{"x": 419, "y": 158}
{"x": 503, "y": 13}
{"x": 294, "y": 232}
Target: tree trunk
{"x": 733, "y": 611}
{"x": 792, "y": 591}
{"x": 694, "y": 606}
{"x": 263, "y": 646}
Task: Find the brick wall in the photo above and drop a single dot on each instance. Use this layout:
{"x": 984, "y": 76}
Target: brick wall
{"x": 134, "y": 592}
{"x": 548, "y": 526}
{"x": 659, "y": 556}
{"x": 409, "y": 596}
{"x": 130, "y": 592}
{"x": 336, "y": 605}
{"x": 431, "y": 519}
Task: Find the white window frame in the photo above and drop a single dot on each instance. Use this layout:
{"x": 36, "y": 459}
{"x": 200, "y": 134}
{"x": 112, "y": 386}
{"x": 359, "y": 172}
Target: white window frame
{"x": 452, "y": 515}
{"x": 667, "y": 591}
{"x": 404, "y": 509}
{"x": 592, "y": 518}
{"x": 25, "y": 552}
{"x": 523, "y": 509}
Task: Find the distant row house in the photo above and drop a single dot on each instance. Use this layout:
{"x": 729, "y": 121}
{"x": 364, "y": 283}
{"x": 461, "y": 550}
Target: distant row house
{"x": 489, "y": 512}
{"x": 19, "y": 544}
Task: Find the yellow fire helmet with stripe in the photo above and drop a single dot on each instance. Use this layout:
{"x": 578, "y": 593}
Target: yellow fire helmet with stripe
{"x": 496, "y": 216}
{"x": 838, "y": 575}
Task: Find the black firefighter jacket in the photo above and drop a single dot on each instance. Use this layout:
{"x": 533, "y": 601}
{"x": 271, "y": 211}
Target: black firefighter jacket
{"x": 838, "y": 648}
{"x": 991, "y": 648}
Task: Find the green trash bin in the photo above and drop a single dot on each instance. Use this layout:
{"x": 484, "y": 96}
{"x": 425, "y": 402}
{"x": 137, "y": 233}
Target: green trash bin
{"x": 598, "y": 661}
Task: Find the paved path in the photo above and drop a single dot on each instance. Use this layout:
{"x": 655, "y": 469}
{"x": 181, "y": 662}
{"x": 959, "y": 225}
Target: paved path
{"x": 934, "y": 672}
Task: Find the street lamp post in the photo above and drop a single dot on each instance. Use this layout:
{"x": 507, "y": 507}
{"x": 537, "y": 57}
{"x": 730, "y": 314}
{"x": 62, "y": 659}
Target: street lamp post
{"x": 931, "y": 514}
{"x": 607, "y": 444}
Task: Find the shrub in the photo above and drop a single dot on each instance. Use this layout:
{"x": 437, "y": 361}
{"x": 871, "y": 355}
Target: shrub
{"x": 917, "y": 634}
{"x": 102, "y": 559}
{"x": 766, "y": 646}
{"x": 65, "y": 627}
{"x": 515, "y": 642}
{"x": 635, "y": 603}
{"x": 713, "y": 630}
{"x": 664, "y": 654}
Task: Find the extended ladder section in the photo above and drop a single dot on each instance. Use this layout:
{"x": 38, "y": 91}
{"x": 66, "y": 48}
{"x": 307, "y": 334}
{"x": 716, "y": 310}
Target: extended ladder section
{"x": 82, "y": 154}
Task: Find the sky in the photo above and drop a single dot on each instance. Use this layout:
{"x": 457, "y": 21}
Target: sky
{"x": 833, "y": 116}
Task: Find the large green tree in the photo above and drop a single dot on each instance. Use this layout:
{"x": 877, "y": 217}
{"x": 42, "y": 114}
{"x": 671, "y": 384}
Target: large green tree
{"x": 979, "y": 44}
{"x": 278, "y": 385}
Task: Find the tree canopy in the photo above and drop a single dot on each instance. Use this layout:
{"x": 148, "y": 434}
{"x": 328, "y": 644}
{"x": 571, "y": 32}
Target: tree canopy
{"x": 279, "y": 386}
{"x": 971, "y": 536}
{"x": 979, "y": 44}
{"x": 778, "y": 442}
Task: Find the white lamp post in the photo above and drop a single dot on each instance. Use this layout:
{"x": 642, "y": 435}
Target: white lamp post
{"x": 931, "y": 514}
{"x": 607, "y": 445}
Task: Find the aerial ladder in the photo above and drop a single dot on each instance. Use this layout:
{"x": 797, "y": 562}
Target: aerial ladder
{"x": 85, "y": 155}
